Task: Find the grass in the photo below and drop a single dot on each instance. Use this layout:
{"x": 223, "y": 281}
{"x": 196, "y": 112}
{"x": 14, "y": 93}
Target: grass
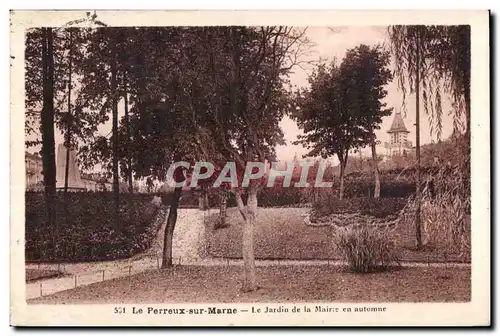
{"x": 37, "y": 274}
{"x": 280, "y": 233}
{"x": 295, "y": 284}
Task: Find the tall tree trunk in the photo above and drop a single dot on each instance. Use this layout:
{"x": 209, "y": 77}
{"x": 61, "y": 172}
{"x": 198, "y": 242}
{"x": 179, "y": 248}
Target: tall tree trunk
{"x": 206, "y": 203}
{"x": 343, "y": 161}
{"x": 203, "y": 199}
{"x": 222, "y": 222}
{"x": 127, "y": 126}
{"x": 465, "y": 37}
{"x": 68, "y": 130}
{"x": 169, "y": 229}
{"x": 238, "y": 99}
{"x": 48, "y": 143}
{"x": 249, "y": 276}
{"x": 375, "y": 170}
{"x": 223, "y": 208}
{"x": 418, "y": 230}
{"x": 174, "y": 201}
{"x": 341, "y": 189}
{"x": 201, "y": 205}
{"x": 116, "y": 194}
{"x": 467, "y": 111}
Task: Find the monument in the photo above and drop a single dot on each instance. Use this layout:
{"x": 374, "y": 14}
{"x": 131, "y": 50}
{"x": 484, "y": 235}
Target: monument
{"x": 75, "y": 182}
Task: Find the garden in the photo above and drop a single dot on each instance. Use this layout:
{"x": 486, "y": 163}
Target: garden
{"x": 283, "y": 284}
{"x": 85, "y": 227}
{"x": 236, "y": 95}
{"x": 303, "y": 233}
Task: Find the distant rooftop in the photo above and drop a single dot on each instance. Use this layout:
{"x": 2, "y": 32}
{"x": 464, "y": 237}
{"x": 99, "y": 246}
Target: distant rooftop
{"x": 398, "y": 124}
{"x": 32, "y": 156}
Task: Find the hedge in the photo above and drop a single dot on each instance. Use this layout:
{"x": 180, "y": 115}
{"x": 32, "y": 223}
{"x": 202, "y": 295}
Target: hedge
{"x": 282, "y": 197}
{"x": 376, "y": 207}
{"x": 360, "y": 188}
{"x": 88, "y": 233}
{"x": 267, "y": 197}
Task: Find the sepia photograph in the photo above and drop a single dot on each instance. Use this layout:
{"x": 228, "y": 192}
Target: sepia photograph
{"x": 250, "y": 172}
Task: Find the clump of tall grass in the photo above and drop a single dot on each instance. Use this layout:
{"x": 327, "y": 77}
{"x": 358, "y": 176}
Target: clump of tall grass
{"x": 445, "y": 204}
{"x": 367, "y": 249}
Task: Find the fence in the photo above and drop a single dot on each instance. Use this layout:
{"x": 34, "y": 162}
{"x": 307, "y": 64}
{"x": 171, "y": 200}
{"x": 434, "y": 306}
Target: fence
{"x": 51, "y": 286}
{"x": 74, "y": 276}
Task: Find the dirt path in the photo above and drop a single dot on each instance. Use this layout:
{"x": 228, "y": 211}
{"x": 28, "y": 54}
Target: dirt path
{"x": 187, "y": 236}
{"x": 188, "y": 233}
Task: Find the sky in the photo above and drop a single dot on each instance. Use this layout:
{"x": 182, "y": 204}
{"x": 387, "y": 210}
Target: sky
{"x": 334, "y": 43}
{"x": 330, "y": 43}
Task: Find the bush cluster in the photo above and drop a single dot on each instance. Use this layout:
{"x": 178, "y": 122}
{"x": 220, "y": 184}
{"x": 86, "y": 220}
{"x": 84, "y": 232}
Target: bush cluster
{"x": 267, "y": 197}
{"x": 376, "y": 207}
{"x": 364, "y": 188}
{"x": 367, "y": 249}
{"x": 296, "y": 197}
{"x": 86, "y": 230}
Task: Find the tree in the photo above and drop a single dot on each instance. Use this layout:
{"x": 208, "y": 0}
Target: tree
{"x": 182, "y": 109}
{"x": 159, "y": 122}
{"x": 47, "y": 118}
{"x": 247, "y": 126}
{"x": 69, "y": 115}
{"x": 236, "y": 117}
{"x": 84, "y": 119}
{"x": 127, "y": 128}
{"x": 49, "y": 101}
{"x": 104, "y": 81}
{"x": 331, "y": 124}
{"x": 115, "y": 138}
{"x": 365, "y": 71}
{"x": 223, "y": 196}
{"x": 431, "y": 57}
{"x": 36, "y": 41}
{"x": 444, "y": 63}
{"x": 222, "y": 191}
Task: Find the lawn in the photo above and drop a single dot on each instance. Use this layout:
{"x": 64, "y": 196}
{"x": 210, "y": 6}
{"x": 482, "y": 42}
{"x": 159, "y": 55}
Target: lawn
{"x": 280, "y": 233}
{"x": 197, "y": 284}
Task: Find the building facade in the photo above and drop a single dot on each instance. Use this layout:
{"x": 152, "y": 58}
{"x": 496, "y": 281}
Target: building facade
{"x": 399, "y": 144}
{"x": 94, "y": 182}
{"x": 34, "y": 169}
{"x": 77, "y": 181}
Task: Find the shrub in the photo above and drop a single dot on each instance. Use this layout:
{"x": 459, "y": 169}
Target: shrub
{"x": 86, "y": 228}
{"x": 447, "y": 225}
{"x": 267, "y": 197}
{"x": 366, "y": 187}
{"x": 446, "y": 204}
{"x": 445, "y": 218}
{"x": 376, "y": 207}
{"x": 367, "y": 249}
{"x": 279, "y": 196}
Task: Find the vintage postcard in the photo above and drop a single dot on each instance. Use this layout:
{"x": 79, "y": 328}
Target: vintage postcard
{"x": 250, "y": 168}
